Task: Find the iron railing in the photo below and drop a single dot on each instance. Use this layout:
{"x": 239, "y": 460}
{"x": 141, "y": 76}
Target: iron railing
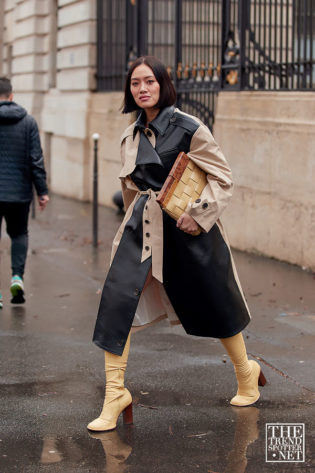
{"x": 275, "y": 44}
{"x": 111, "y": 44}
{"x": 210, "y": 45}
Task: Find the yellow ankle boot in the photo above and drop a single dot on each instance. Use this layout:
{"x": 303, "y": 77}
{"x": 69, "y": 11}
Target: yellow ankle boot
{"x": 248, "y": 373}
{"x": 117, "y": 398}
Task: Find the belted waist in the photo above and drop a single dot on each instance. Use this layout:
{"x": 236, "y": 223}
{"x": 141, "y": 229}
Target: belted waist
{"x": 152, "y": 224}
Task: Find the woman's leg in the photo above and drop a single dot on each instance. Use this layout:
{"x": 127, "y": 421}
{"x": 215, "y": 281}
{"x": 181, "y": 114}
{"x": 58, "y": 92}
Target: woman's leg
{"x": 117, "y": 397}
{"x": 248, "y": 372}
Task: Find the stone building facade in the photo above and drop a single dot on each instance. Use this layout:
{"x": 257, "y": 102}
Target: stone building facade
{"x": 49, "y": 51}
{"x": 48, "y": 48}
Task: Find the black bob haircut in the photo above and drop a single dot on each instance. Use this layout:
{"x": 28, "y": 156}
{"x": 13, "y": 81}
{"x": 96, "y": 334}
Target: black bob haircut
{"x": 5, "y": 87}
{"x": 167, "y": 90}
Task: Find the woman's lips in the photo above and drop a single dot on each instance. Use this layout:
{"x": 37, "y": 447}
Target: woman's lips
{"x": 144, "y": 98}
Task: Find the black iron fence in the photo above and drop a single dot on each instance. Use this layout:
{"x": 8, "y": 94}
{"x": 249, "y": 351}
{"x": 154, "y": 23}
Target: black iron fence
{"x": 274, "y": 48}
{"x": 210, "y": 45}
{"x": 111, "y": 44}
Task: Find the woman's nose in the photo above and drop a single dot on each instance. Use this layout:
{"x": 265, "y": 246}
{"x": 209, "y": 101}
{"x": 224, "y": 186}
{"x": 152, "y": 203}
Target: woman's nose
{"x": 143, "y": 86}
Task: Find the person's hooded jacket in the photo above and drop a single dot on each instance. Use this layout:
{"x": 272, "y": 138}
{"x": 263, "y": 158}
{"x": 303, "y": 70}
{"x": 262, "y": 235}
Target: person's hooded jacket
{"x": 21, "y": 157}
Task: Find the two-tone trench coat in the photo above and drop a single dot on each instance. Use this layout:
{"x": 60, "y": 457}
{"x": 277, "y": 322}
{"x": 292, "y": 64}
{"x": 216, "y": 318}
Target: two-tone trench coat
{"x": 157, "y": 270}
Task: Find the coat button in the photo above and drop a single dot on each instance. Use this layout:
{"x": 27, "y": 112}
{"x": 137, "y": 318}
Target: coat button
{"x": 205, "y": 205}
{"x": 147, "y": 248}
{"x": 147, "y": 235}
{"x": 198, "y": 201}
{"x": 120, "y": 343}
{"x": 173, "y": 119}
{"x": 147, "y": 221}
{"x": 149, "y": 133}
{"x": 136, "y": 292}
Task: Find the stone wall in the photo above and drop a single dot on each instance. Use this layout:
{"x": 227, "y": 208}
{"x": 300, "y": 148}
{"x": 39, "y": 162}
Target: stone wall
{"x": 106, "y": 119}
{"x": 25, "y": 50}
{"x": 49, "y": 51}
{"x": 269, "y": 141}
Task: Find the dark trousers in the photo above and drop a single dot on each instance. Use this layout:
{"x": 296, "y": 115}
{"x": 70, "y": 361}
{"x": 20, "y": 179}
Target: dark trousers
{"x": 16, "y": 216}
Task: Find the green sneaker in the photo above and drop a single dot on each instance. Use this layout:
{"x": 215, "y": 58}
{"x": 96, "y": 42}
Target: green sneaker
{"x": 17, "y": 290}
{"x": 1, "y": 301}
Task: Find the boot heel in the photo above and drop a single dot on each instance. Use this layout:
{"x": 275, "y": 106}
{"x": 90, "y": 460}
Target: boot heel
{"x": 261, "y": 380}
{"x": 127, "y": 415}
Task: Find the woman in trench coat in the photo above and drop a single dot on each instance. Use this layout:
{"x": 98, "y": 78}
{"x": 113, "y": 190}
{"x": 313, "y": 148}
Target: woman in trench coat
{"x": 158, "y": 267}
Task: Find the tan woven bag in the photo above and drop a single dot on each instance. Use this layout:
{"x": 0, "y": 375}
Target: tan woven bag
{"x": 182, "y": 186}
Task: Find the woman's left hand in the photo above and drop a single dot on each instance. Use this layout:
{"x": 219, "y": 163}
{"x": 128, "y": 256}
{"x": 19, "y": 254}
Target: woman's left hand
{"x": 187, "y": 223}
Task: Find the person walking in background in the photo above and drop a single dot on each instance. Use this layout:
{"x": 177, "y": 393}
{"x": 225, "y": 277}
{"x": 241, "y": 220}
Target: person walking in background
{"x": 159, "y": 268}
{"x": 21, "y": 167}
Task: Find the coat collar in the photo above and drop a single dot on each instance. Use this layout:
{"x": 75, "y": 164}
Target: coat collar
{"x": 159, "y": 124}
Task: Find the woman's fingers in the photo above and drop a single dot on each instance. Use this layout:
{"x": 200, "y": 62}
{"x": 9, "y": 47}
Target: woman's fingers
{"x": 187, "y": 223}
{"x": 180, "y": 222}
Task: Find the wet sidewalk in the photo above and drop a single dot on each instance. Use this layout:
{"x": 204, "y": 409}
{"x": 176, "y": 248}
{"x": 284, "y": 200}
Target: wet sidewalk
{"x": 52, "y": 379}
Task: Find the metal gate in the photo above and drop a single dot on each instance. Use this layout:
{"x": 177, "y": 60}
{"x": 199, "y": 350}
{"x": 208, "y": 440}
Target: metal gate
{"x": 209, "y": 45}
{"x": 186, "y": 37}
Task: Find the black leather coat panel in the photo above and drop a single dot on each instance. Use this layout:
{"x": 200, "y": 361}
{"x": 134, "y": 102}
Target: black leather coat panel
{"x": 197, "y": 271}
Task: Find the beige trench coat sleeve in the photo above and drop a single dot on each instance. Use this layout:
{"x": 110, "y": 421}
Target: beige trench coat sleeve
{"x": 129, "y": 189}
{"x": 205, "y": 152}
{"x": 128, "y": 195}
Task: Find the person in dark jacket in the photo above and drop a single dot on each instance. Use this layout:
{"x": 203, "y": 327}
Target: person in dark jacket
{"x": 21, "y": 167}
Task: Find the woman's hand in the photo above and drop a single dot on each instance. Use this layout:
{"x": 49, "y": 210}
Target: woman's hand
{"x": 187, "y": 223}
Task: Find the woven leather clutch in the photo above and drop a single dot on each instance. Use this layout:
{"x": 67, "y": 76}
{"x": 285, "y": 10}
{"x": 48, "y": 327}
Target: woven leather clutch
{"x": 182, "y": 186}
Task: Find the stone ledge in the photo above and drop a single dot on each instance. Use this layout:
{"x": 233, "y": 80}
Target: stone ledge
{"x": 30, "y": 63}
{"x": 65, "y": 113}
{"x": 32, "y": 8}
{"x": 76, "y": 79}
{"x": 77, "y": 56}
{"x": 244, "y": 122}
{"x": 30, "y": 45}
{"x": 62, "y": 3}
{"x": 30, "y": 82}
{"x": 262, "y": 223}
{"x": 77, "y": 13}
{"x": 32, "y": 26}
{"x": 77, "y": 34}
{"x": 291, "y": 106}
{"x": 9, "y": 6}
{"x": 68, "y": 158}
{"x": 269, "y": 141}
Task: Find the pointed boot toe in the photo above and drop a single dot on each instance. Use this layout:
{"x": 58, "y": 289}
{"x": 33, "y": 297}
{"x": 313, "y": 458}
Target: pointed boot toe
{"x": 240, "y": 401}
{"x": 101, "y": 425}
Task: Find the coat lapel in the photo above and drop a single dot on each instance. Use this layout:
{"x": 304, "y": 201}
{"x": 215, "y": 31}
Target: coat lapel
{"x": 146, "y": 152}
{"x": 129, "y": 151}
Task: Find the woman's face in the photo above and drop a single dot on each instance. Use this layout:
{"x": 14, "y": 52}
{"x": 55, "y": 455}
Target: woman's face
{"x": 144, "y": 87}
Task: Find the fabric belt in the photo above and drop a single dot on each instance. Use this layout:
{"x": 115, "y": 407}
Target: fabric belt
{"x": 152, "y": 224}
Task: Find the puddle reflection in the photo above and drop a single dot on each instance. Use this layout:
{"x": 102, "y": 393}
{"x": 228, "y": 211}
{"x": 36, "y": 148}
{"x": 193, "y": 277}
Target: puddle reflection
{"x": 56, "y": 450}
{"x": 246, "y": 432}
{"x": 50, "y": 453}
{"x": 115, "y": 449}
{"x": 18, "y": 313}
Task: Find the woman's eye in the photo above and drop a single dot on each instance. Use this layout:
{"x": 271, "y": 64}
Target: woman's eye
{"x": 150, "y": 81}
